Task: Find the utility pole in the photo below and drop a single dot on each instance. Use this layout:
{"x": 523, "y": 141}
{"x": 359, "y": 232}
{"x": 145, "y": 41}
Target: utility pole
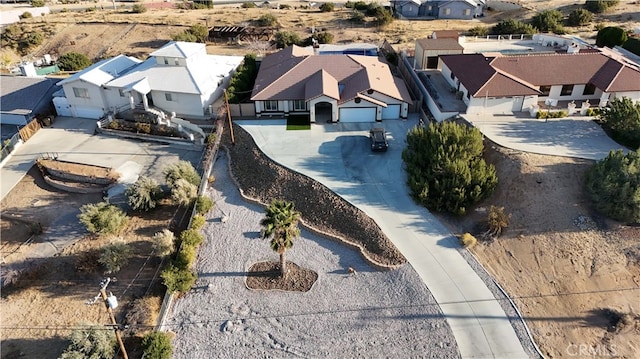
{"x": 111, "y": 302}
{"x": 226, "y": 102}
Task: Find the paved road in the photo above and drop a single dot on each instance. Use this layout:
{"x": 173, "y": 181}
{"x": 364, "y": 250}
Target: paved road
{"x": 577, "y": 137}
{"x": 339, "y": 157}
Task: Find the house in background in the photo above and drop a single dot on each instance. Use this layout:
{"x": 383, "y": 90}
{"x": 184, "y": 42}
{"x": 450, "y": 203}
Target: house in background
{"x": 506, "y": 84}
{"x": 180, "y": 78}
{"x": 24, "y": 97}
{"x": 345, "y": 88}
{"x": 440, "y": 9}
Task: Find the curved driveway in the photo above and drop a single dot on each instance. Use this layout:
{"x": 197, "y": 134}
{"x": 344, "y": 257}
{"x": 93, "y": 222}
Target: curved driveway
{"x": 338, "y": 156}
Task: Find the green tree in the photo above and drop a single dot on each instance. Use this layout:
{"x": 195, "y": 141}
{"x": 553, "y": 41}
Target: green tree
{"x": 280, "y": 224}
{"x": 579, "y": 17}
{"x": 115, "y": 255}
{"x": 73, "y": 61}
{"x": 181, "y": 170}
{"x": 479, "y": 31}
{"x": 102, "y": 218}
{"x": 92, "y": 342}
{"x": 184, "y": 36}
{"x": 200, "y": 32}
{"x": 599, "y": 6}
{"x": 511, "y": 26}
{"x": 178, "y": 279}
{"x": 327, "y": 7}
{"x": 157, "y": 345}
{"x": 203, "y": 205}
{"x": 286, "y": 38}
{"x": 243, "y": 79}
{"x": 144, "y": 194}
{"x": 547, "y": 20}
{"x": 613, "y": 184}
{"x": 611, "y": 36}
{"x": 383, "y": 16}
{"x": 267, "y": 20}
{"x": 622, "y": 117}
{"x": 357, "y": 17}
{"x": 632, "y": 44}
{"x": 445, "y": 168}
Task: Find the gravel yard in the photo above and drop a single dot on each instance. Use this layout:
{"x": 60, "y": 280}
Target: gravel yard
{"x": 370, "y": 314}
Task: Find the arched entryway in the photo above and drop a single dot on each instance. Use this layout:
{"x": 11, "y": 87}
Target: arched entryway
{"x": 323, "y": 112}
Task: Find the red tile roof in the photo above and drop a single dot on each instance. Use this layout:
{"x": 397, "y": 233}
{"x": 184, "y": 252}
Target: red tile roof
{"x": 297, "y": 74}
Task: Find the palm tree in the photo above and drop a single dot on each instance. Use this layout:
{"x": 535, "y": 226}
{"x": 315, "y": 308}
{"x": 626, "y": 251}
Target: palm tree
{"x": 281, "y": 225}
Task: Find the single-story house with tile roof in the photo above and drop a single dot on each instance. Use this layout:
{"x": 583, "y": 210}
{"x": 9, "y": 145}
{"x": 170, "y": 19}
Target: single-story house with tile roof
{"x": 506, "y": 84}
{"x": 24, "y": 97}
{"x": 345, "y": 88}
{"x": 178, "y": 78}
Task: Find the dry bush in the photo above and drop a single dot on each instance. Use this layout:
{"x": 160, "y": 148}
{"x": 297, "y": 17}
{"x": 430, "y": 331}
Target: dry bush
{"x": 497, "y": 220}
{"x": 88, "y": 261}
{"x": 468, "y": 241}
{"x": 142, "y": 315}
{"x": 163, "y": 242}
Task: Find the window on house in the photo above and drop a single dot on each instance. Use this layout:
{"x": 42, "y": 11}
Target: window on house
{"x": 429, "y": 7}
{"x": 166, "y": 61}
{"x": 469, "y": 95}
{"x": 168, "y": 97}
{"x": 467, "y": 12}
{"x": 121, "y": 92}
{"x": 447, "y": 11}
{"x": 299, "y": 105}
{"x": 453, "y": 77}
{"x": 80, "y": 92}
{"x": 566, "y": 90}
{"x": 176, "y": 61}
{"x": 271, "y": 105}
{"x": 545, "y": 90}
{"x": 589, "y": 89}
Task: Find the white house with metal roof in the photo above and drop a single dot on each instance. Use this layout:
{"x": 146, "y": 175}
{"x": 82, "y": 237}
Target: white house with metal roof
{"x": 178, "y": 78}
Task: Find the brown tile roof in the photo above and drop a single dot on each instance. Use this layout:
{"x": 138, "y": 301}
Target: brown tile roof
{"x": 522, "y": 75}
{"x": 440, "y": 44}
{"x": 292, "y": 74}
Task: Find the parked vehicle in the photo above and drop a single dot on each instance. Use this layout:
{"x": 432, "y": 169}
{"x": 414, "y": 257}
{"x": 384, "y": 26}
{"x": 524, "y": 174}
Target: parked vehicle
{"x": 378, "y": 139}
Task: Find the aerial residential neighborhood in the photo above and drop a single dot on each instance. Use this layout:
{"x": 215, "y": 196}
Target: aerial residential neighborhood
{"x": 429, "y": 179}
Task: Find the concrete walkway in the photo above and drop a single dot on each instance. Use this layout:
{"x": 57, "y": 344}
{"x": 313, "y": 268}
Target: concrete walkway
{"x": 339, "y": 157}
{"x": 577, "y": 136}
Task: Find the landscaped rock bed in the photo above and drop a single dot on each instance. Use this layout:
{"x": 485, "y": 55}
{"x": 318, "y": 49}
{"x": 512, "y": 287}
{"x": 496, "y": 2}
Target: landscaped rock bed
{"x": 262, "y": 179}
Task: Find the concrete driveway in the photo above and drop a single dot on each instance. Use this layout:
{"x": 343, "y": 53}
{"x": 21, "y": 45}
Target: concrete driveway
{"x": 577, "y": 136}
{"x": 338, "y": 156}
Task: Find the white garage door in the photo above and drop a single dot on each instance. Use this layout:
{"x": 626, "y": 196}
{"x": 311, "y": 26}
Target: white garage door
{"x": 391, "y": 112}
{"x": 88, "y": 112}
{"x": 362, "y": 114}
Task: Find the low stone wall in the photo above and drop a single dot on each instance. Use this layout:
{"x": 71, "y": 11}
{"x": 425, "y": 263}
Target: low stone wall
{"x": 79, "y": 178}
{"x": 63, "y": 186}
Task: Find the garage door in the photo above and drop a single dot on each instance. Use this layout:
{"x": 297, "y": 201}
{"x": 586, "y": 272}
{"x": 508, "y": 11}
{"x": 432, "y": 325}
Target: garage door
{"x": 88, "y": 112}
{"x": 391, "y": 112}
{"x": 362, "y": 114}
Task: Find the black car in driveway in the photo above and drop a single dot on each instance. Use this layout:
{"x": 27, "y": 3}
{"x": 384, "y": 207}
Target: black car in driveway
{"x": 378, "y": 139}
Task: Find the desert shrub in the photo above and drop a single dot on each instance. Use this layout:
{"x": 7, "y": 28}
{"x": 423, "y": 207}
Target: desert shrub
{"x": 91, "y": 341}
{"x": 211, "y": 138}
{"x": 37, "y": 3}
{"x": 25, "y": 15}
{"x": 599, "y": 6}
{"x": 191, "y": 237}
{"x": 20, "y": 38}
{"x": 286, "y": 38}
{"x": 73, "y": 61}
{"x": 88, "y": 261}
{"x": 186, "y": 257}
{"x": 284, "y": 7}
{"x": 157, "y": 345}
{"x": 181, "y": 170}
{"x": 102, "y": 218}
{"x": 445, "y": 168}
{"x": 358, "y": 5}
{"x": 547, "y": 20}
{"x": 138, "y": 9}
{"x": 479, "y": 31}
{"x": 327, "y": 7}
{"x": 267, "y": 20}
{"x": 143, "y": 194}
{"x": 593, "y": 111}
{"x": 467, "y": 240}
{"x": 622, "y": 118}
{"x": 248, "y": 5}
{"x": 141, "y": 314}
{"x": 579, "y": 17}
{"x": 551, "y": 114}
{"x": 178, "y": 279}
{"x": 382, "y": 16}
{"x": 163, "y": 242}
{"x": 115, "y": 255}
{"x": 611, "y": 36}
{"x": 511, "y": 26}
{"x": 196, "y": 33}
{"x": 613, "y": 185}
{"x": 357, "y": 17}
{"x": 497, "y": 220}
{"x": 183, "y": 193}
{"x": 325, "y": 38}
{"x": 203, "y": 205}
{"x": 197, "y": 222}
